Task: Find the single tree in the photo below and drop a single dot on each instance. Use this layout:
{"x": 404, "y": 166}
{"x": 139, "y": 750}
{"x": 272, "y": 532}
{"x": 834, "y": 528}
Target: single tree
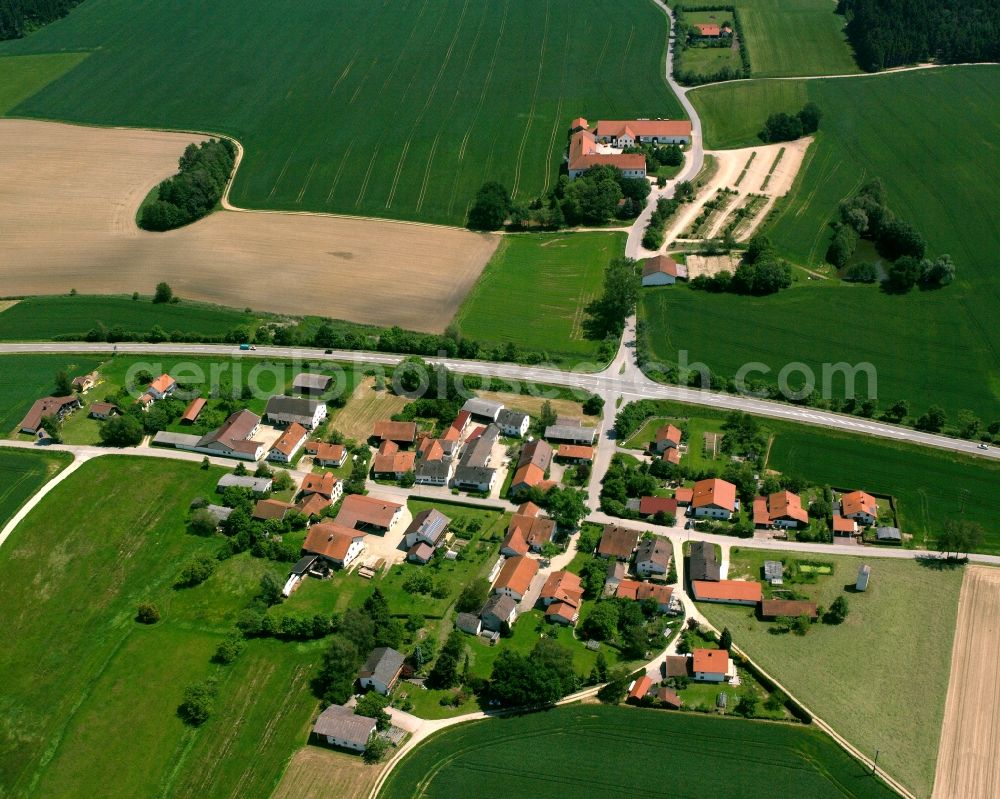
{"x": 163, "y": 293}
{"x": 147, "y": 613}
{"x": 726, "y": 639}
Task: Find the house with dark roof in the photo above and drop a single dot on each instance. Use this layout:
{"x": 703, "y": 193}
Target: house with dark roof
{"x": 774, "y": 572}
{"x": 429, "y": 526}
{"x": 103, "y": 410}
{"x": 474, "y": 472}
{"x": 617, "y": 542}
{"x": 640, "y": 592}
{"x": 60, "y": 407}
{"x": 309, "y": 383}
{"x": 259, "y": 485}
{"x": 381, "y": 670}
{"x": 653, "y": 556}
{"x": 702, "y": 563}
{"x": 469, "y": 623}
{"x": 888, "y": 535}
{"x": 500, "y": 609}
{"x": 513, "y": 423}
{"x": 341, "y": 726}
{"x": 484, "y": 410}
{"x": 538, "y": 453}
{"x": 571, "y": 433}
{"x": 284, "y": 410}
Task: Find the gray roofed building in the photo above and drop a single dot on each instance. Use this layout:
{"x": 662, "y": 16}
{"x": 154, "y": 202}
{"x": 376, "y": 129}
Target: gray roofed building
{"x": 574, "y": 434}
{"x": 538, "y": 452}
{"x": 702, "y": 564}
{"x": 259, "y": 485}
{"x": 381, "y": 669}
{"x": 428, "y": 526}
{"x": 220, "y": 512}
{"x": 483, "y": 408}
{"x": 177, "y": 440}
{"x": 307, "y": 383}
{"x": 303, "y": 564}
{"x": 468, "y": 623}
{"x": 774, "y": 572}
{"x": 474, "y": 471}
{"x": 284, "y": 410}
{"x": 433, "y": 472}
{"x": 890, "y": 534}
{"x": 513, "y": 423}
{"x": 499, "y": 609}
{"x": 234, "y": 437}
{"x": 653, "y": 556}
{"x": 341, "y": 726}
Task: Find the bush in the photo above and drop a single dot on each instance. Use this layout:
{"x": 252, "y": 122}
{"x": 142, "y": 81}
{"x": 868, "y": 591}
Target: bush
{"x": 196, "y": 572}
{"x": 490, "y": 208}
{"x": 121, "y": 431}
{"x": 230, "y": 649}
{"x": 196, "y": 706}
{"x": 147, "y": 613}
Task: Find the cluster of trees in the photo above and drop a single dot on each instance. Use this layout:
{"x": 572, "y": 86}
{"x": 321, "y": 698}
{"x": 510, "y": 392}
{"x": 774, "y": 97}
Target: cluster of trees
{"x": 19, "y": 17}
{"x": 688, "y": 36}
{"x": 624, "y": 622}
{"x": 893, "y": 33}
{"x": 539, "y": 678}
{"x": 652, "y": 238}
{"x": 607, "y": 314}
{"x": 195, "y": 190}
{"x": 658, "y": 155}
{"x": 788, "y": 127}
{"x": 760, "y": 272}
{"x": 867, "y": 216}
{"x": 958, "y": 536}
{"x": 628, "y": 479}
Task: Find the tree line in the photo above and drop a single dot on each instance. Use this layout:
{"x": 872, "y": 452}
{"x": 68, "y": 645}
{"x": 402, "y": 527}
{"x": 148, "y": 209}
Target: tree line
{"x": 20, "y": 17}
{"x": 788, "y": 127}
{"x": 195, "y": 190}
{"x": 893, "y": 33}
{"x": 760, "y": 272}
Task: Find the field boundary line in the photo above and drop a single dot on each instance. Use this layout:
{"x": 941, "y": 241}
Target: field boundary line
{"x": 534, "y": 101}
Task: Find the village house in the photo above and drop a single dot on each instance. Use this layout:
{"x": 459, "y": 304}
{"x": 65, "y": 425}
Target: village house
{"x": 458, "y": 427}
{"x": 290, "y": 442}
{"x": 712, "y": 665}
{"x": 390, "y": 462}
{"x": 733, "y": 592}
{"x": 336, "y": 543}
{"x": 84, "y": 383}
{"x": 469, "y": 623}
{"x": 526, "y": 477}
{"x": 59, "y": 407}
{"x": 325, "y": 485}
{"x": 561, "y": 596}
{"x": 714, "y": 498}
{"x": 859, "y": 506}
{"x": 283, "y": 410}
{"x": 585, "y": 154}
{"x": 420, "y": 553}
{"x": 575, "y": 453}
{"x": 617, "y": 542}
{"x": 515, "y": 577}
{"x": 381, "y": 670}
{"x": 327, "y": 455}
{"x": 161, "y": 387}
{"x": 499, "y": 610}
{"x": 652, "y": 557}
{"x": 614, "y": 576}
{"x": 639, "y": 592}
{"x": 259, "y": 485}
{"x": 527, "y": 532}
{"x": 662, "y": 270}
{"x": 683, "y": 496}
{"x": 401, "y": 433}
{"x": 537, "y": 453}
{"x": 271, "y": 510}
{"x": 474, "y": 472}
{"x": 234, "y": 439}
{"x": 193, "y": 410}
{"x": 341, "y": 726}
{"x": 369, "y": 514}
{"x": 482, "y": 410}
{"x": 672, "y": 455}
{"x": 429, "y": 527}
{"x": 435, "y": 461}
{"x": 702, "y": 563}
{"x": 570, "y": 432}
{"x": 103, "y": 410}
{"x": 312, "y": 505}
{"x": 667, "y": 437}
{"x": 781, "y": 509}
{"x": 513, "y": 423}
{"x": 639, "y": 689}
{"x": 650, "y": 506}
{"x": 710, "y": 31}
{"x": 844, "y": 527}
{"x": 307, "y": 383}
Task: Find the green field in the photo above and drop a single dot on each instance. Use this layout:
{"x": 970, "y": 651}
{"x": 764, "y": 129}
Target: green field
{"x": 595, "y": 750}
{"x": 22, "y": 473}
{"x": 795, "y": 37}
{"x": 26, "y": 378}
{"x": 397, "y": 110}
{"x": 22, "y": 76}
{"x": 88, "y": 692}
{"x": 879, "y": 688}
{"x": 928, "y": 347}
{"x": 534, "y": 291}
{"x": 44, "y": 318}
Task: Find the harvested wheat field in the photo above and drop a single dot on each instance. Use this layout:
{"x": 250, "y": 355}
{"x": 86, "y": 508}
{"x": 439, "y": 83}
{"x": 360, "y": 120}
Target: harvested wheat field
{"x": 365, "y": 406}
{"x": 315, "y": 773}
{"x": 68, "y": 202}
{"x": 970, "y": 736}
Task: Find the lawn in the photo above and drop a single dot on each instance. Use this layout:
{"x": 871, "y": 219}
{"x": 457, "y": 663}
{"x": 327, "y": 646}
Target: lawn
{"x": 795, "y": 37}
{"x": 864, "y": 669}
{"x": 947, "y": 192}
{"x": 110, "y": 536}
{"x": 22, "y": 473}
{"x": 585, "y": 750}
{"x": 26, "y": 378}
{"x": 696, "y": 457}
{"x": 534, "y": 292}
{"x": 397, "y": 110}
{"x": 45, "y": 318}
{"x": 22, "y": 76}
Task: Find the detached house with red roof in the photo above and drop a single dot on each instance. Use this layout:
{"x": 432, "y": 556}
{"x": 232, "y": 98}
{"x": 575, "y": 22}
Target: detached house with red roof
{"x": 732, "y": 592}
{"x": 515, "y": 577}
{"x": 162, "y": 387}
{"x": 859, "y": 506}
{"x": 562, "y": 596}
{"x": 392, "y": 462}
{"x": 781, "y": 509}
{"x": 336, "y": 543}
{"x": 662, "y": 270}
{"x": 714, "y": 498}
{"x": 584, "y": 154}
{"x": 712, "y": 665}
{"x": 290, "y": 441}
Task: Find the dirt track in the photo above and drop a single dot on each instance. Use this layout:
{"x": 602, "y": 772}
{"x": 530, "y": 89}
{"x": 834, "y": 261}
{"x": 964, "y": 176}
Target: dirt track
{"x": 67, "y": 207}
{"x": 970, "y": 735}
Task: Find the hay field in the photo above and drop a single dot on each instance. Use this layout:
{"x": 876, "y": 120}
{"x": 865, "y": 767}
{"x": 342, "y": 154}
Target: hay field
{"x": 68, "y": 203}
{"x": 970, "y": 735}
{"x": 316, "y": 773}
{"x": 357, "y": 418}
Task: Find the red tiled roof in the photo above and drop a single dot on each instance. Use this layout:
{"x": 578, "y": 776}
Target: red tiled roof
{"x": 357, "y": 509}
{"x": 617, "y": 541}
{"x": 162, "y": 383}
{"x": 194, "y": 409}
{"x": 858, "y": 502}
{"x": 529, "y": 509}
{"x": 770, "y": 608}
{"x": 709, "y": 30}
{"x": 267, "y": 509}
{"x": 328, "y": 452}
{"x": 640, "y": 688}
{"x": 290, "y": 439}
{"x": 529, "y": 475}
{"x": 575, "y": 451}
{"x": 319, "y": 484}
{"x": 672, "y": 455}
{"x": 395, "y": 431}
{"x": 723, "y": 590}
{"x": 842, "y": 525}
{"x": 650, "y": 506}
{"x": 330, "y": 539}
{"x": 638, "y": 591}
{"x": 391, "y": 460}
{"x": 659, "y": 128}
{"x": 583, "y": 154}
{"x": 517, "y": 574}
{"x": 761, "y": 517}
{"x": 668, "y": 266}
{"x": 710, "y": 661}
{"x": 786, "y": 505}
{"x": 313, "y": 505}
{"x": 684, "y": 496}
{"x": 714, "y": 492}
{"x": 563, "y": 586}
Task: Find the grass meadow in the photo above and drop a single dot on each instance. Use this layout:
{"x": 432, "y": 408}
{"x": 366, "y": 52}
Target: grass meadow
{"x": 866, "y": 669}
{"x": 398, "y": 110}
{"x": 43, "y": 318}
{"x": 928, "y": 347}
{"x": 25, "y": 378}
{"x": 89, "y": 692}
{"x": 567, "y": 751}
{"x": 534, "y": 291}
{"x": 22, "y": 474}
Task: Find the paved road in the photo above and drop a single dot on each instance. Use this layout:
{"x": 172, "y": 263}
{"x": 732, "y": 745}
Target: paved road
{"x": 630, "y": 385}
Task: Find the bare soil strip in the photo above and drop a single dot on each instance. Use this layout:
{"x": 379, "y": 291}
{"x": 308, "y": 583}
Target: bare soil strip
{"x": 970, "y": 735}
{"x": 68, "y": 202}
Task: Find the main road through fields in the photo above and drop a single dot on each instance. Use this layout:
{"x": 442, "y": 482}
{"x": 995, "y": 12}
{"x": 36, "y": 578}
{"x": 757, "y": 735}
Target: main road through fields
{"x": 629, "y": 383}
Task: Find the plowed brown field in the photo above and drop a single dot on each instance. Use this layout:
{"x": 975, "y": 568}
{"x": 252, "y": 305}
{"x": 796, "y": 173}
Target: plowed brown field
{"x": 68, "y": 200}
